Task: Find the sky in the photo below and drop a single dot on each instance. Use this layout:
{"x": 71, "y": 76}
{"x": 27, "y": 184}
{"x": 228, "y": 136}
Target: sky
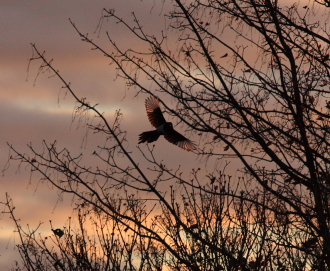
{"x": 35, "y": 110}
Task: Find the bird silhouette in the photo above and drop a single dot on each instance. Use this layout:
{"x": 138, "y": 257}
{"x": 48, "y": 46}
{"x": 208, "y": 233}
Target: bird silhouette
{"x": 58, "y": 232}
{"x": 163, "y": 127}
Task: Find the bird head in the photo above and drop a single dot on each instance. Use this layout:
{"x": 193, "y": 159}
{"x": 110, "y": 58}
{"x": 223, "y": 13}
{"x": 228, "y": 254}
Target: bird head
{"x": 168, "y": 127}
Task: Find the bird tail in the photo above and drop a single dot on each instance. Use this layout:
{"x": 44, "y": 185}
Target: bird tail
{"x": 149, "y": 136}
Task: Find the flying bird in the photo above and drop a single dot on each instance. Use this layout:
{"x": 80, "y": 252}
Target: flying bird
{"x": 163, "y": 127}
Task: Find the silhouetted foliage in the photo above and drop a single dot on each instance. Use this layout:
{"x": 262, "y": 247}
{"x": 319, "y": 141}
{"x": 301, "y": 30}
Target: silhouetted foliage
{"x": 250, "y": 82}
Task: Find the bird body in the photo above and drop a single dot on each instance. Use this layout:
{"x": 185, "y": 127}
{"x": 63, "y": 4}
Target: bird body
{"x": 163, "y": 127}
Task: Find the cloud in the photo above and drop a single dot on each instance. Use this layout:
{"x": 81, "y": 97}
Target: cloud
{"x": 31, "y": 111}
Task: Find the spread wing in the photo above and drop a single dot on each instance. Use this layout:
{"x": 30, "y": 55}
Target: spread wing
{"x": 177, "y": 139}
{"x": 154, "y": 113}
